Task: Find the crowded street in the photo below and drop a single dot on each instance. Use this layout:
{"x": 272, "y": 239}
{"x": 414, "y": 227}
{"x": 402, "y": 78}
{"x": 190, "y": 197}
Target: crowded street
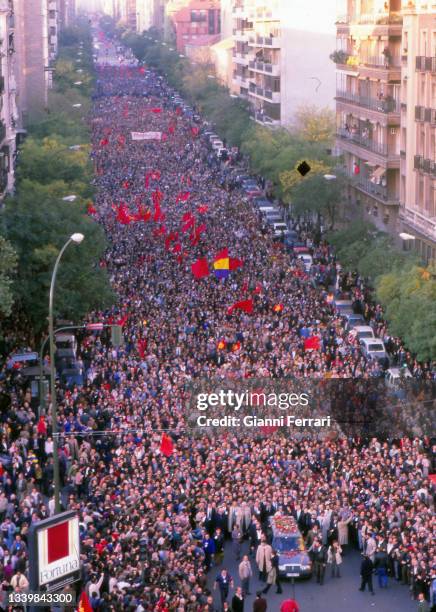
{"x": 150, "y": 494}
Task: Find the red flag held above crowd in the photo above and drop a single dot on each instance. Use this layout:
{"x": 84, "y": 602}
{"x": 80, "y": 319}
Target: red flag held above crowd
{"x": 84, "y": 603}
{"x": 166, "y": 445}
{"x": 244, "y": 305}
{"x": 312, "y": 343}
{"x": 200, "y": 268}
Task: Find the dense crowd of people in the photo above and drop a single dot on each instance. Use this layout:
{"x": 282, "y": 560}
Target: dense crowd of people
{"x": 153, "y": 523}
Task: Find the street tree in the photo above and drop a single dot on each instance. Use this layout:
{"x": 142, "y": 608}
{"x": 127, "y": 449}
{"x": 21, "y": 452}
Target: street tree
{"x": 8, "y": 266}
{"x": 37, "y": 223}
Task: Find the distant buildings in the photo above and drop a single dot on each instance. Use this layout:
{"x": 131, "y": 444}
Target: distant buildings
{"x": 386, "y": 115}
{"x": 29, "y": 39}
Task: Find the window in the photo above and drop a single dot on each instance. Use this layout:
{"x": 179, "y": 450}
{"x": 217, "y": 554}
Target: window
{"x": 211, "y": 22}
{"x": 198, "y": 16}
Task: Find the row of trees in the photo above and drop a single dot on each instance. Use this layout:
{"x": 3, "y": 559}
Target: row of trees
{"x": 406, "y": 290}
{"x": 53, "y": 163}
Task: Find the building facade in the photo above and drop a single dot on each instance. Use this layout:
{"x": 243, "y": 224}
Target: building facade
{"x": 268, "y": 55}
{"x": 32, "y": 60}
{"x": 384, "y": 136}
{"x": 195, "y": 23}
{"x": 417, "y": 213}
{"x": 8, "y": 113}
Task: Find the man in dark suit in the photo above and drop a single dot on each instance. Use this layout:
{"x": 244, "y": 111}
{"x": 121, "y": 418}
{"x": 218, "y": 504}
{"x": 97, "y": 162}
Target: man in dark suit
{"x": 210, "y": 520}
{"x": 366, "y": 571}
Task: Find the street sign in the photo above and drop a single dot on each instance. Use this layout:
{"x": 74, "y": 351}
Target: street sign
{"x": 54, "y": 552}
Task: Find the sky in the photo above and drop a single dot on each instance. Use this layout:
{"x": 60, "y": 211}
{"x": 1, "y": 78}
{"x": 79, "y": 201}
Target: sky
{"x": 315, "y": 15}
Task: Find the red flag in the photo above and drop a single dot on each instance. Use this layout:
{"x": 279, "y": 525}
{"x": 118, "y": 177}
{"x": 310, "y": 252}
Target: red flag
{"x": 156, "y": 110}
{"x": 142, "y": 345}
{"x": 200, "y": 229}
{"x": 183, "y": 196}
{"x": 245, "y": 305}
{"x": 166, "y": 445}
{"x": 200, "y": 268}
{"x": 123, "y": 215}
{"x": 236, "y": 347}
{"x": 312, "y": 343}
{"x": 190, "y": 223}
{"x": 156, "y": 197}
{"x": 104, "y": 142}
{"x": 235, "y": 263}
{"x": 221, "y": 345}
{"x": 177, "y": 248}
{"x": 84, "y": 604}
{"x": 203, "y": 209}
{"x": 123, "y": 320}
{"x": 257, "y": 290}
{"x": 194, "y": 131}
{"x": 91, "y": 209}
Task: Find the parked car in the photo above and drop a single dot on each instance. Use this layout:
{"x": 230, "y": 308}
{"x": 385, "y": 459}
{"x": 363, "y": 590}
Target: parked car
{"x": 343, "y": 307}
{"x": 261, "y": 202}
{"x": 375, "y": 349}
{"x": 280, "y": 229}
{"x": 273, "y": 217}
{"x": 363, "y": 331}
{"x": 395, "y": 376}
{"x": 354, "y": 319}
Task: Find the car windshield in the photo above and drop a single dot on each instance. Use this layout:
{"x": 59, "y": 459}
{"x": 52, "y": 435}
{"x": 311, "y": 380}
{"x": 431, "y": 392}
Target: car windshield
{"x": 375, "y": 347}
{"x": 365, "y": 334}
{"x": 288, "y": 543}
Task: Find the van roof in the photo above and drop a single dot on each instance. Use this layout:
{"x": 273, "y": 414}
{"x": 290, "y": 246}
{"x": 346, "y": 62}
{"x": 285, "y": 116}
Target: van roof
{"x": 363, "y": 328}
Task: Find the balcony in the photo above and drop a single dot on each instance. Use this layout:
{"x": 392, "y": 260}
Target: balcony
{"x": 374, "y": 23}
{"x": 265, "y": 41}
{"x": 427, "y": 166}
{"x": 240, "y": 79}
{"x": 242, "y": 34}
{"x": 419, "y": 113}
{"x": 386, "y": 106}
{"x": 264, "y": 93}
{"x": 419, "y": 222}
{"x": 420, "y": 63}
{"x": 240, "y": 58}
{"x": 358, "y": 145}
{"x": 260, "y": 117}
{"x": 377, "y": 191}
{"x": 264, "y": 67}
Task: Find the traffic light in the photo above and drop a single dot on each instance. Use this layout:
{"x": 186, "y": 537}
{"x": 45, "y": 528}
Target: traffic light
{"x": 117, "y": 335}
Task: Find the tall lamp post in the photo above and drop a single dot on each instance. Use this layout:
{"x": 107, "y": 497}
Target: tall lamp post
{"x": 77, "y": 238}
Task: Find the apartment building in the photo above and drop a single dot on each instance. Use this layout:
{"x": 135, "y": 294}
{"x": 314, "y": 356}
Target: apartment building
{"x": 53, "y": 25}
{"x": 417, "y": 213}
{"x": 32, "y": 59}
{"x": 385, "y": 101}
{"x": 277, "y": 66}
{"x": 8, "y": 113}
{"x": 195, "y": 23}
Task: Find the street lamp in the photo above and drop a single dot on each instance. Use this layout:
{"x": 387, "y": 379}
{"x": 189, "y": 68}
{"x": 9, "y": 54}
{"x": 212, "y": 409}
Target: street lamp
{"x": 77, "y": 239}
